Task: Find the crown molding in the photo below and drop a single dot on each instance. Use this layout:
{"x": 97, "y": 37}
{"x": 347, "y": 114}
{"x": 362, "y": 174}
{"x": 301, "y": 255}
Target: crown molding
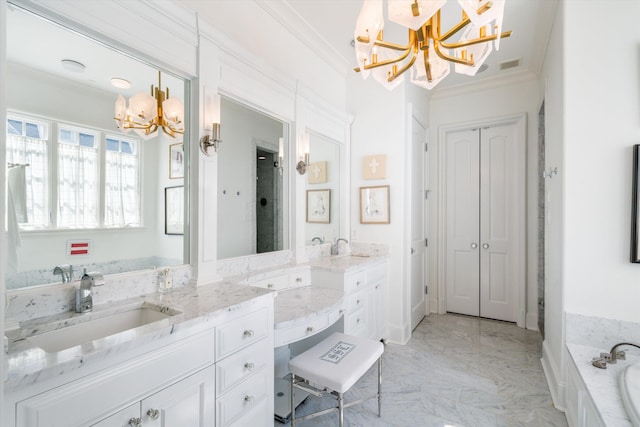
{"x": 501, "y": 80}
{"x": 284, "y": 13}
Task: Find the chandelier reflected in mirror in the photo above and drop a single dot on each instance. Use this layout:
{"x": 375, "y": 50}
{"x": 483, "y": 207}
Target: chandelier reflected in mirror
{"x": 146, "y": 114}
{"x": 429, "y": 52}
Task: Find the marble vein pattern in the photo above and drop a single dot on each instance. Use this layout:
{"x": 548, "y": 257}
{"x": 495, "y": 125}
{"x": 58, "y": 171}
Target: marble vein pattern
{"x": 455, "y": 371}
{"x": 603, "y": 384}
{"x": 198, "y": 308}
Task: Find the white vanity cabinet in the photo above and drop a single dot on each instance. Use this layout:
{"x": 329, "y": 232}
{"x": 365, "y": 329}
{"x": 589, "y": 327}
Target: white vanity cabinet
{"x": 244, "y": 371}
{"x": 363, "y": 287}
{"x": 212, "y": 373}
{"x": 170, "y": 381}
{"x": 581, "y": 411}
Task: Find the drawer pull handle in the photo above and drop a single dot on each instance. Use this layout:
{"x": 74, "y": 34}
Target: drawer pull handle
{"x": 358, "y": 302}
{"x": 270, "y": 286}
{"x": 135, "y": 422}
{"x": 153, "y": 414}
{"x": 248, "y": 333}
{"x": 358, "y": 283}
{"x": 249, "y": 366}
{"x": 309, "y": 329}
{"x": 358, "y": 321}
{"x": 298, "y": 279}
{"x": 248, "y": 399}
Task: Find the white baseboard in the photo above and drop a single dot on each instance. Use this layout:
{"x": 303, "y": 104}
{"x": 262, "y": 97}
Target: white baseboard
{"x": 399, "y": 334}
{"x": 557, "y": 386}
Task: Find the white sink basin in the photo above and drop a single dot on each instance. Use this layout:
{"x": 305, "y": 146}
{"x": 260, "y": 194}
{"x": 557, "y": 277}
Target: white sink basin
{"x": 99, "y": 327}
{"x": 630, "y": 391}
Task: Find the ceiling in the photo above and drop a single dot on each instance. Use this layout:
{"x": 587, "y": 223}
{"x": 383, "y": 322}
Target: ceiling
{"x": 326, "y": 26}
{"x": 334, "y": 20}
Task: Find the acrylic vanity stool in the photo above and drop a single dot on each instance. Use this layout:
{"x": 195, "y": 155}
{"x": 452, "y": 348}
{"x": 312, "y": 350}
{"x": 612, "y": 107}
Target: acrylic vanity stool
{"x": 334, "y": 366}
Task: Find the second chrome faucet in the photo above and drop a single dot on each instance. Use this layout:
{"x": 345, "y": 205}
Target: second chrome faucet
{"x": 335, "y": 248}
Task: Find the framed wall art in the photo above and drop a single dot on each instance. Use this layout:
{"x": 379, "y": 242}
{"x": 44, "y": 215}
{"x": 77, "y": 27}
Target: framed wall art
{"x": 374, "y": 205}
{"x": 174, "y": 210}
{"x": 176, "y": 161}
{"x": 319, "y": 206}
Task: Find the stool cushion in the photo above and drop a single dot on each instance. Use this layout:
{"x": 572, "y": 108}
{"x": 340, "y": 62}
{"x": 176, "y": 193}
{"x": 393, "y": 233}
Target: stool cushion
{"x": 337, "y": 362}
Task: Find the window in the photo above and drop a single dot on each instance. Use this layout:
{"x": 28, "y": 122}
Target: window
{"x": 122, "y": 186}
{"x": 78, "y": 179}
{"x": 95, "y": 178}
{"x": 27, "y": 146}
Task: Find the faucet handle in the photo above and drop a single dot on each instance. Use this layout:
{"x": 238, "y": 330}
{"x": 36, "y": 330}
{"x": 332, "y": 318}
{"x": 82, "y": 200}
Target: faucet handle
{"x": 96, "y": 278}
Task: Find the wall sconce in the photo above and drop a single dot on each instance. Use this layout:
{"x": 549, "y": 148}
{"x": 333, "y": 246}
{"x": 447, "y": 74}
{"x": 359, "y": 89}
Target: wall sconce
{"x": 280, "y": 163}
{"x": 302, "y": 165}
{"x": 213, "y": 140}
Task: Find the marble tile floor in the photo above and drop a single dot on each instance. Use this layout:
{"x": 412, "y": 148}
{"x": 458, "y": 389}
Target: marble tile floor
{"x": 455, "y": 371}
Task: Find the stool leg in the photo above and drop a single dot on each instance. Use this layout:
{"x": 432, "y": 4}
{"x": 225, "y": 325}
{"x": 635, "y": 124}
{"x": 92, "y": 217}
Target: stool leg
{"x": 293, "y": 402}
{"x": 379, "y": 386}
{"x": 341, "y": 409}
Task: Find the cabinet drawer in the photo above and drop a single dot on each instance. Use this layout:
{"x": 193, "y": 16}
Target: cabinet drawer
{"x": 241, "y": 365}
{"x": 356, "y": 321}
{"x": 354, "y": 281}
{"x": 294, "y": 333}
{"x": 275, "y": 283}
{"x": 242, "y": 332}
{"x": 258, "y": 416}
{"x": 356, "y": 301}
{"x": 299, "y": 279}
{"x": 242, "y": 398}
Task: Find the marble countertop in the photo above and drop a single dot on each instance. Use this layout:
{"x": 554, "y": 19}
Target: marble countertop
{"x": 199, "y": 308}
{"x": 345, "y": 262}
{"x": 302, "y": 304}
{"x": 603, "y": 384}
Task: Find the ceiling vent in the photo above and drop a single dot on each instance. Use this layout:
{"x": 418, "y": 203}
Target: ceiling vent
{"x": 509, "y": 64}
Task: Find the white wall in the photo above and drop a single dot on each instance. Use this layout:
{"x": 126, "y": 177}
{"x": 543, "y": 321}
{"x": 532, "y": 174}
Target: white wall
{"x": 602, "y": 118}
{"x": 507, "y": 97}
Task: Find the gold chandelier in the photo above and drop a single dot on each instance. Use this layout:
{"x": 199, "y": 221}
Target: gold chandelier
{"x": 429, "y": 53}
{"x": 148, "y": 113}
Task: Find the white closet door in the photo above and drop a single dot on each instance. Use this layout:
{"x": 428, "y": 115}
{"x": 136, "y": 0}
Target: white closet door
{"x": 481, "y": 223}
{"x": 498, "y": 279}
{"x": 462, "y": 225}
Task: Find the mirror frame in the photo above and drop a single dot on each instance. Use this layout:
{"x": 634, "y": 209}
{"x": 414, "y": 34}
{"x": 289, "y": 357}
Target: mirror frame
{"x": 190, "y": 94}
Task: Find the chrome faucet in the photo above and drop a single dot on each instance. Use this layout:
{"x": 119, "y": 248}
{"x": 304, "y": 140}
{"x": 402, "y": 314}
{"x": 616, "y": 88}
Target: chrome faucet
{"x": 317, "y": 239}
{"x": 84, "y": 296}
{"x": 65, "y": 271}
{"x": 335, "y": 248}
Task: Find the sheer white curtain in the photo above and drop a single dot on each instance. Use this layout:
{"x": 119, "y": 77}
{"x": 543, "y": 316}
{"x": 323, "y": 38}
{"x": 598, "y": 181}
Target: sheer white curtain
{"x": 32, "y": 151}
{"x": 77, "y": 186}
{"x": 122, "y": 190}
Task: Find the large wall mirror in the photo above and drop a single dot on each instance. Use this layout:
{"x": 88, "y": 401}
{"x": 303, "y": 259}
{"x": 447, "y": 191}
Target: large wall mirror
{"x": 323, "y": 190}
{"x": 83, "y": 193}
{"x": 253, "y": 190}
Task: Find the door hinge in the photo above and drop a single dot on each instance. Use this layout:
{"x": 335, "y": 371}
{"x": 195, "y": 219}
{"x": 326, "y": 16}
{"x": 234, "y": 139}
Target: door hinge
{"x": 426, "y": 242}
{"x": 426, "y": 289}
{"x": 426, "y": 194}
{"x": 426, "y": 147}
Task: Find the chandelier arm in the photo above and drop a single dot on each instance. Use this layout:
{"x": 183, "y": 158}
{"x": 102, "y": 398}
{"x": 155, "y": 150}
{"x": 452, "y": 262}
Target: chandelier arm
{"x": 446, "y": 57}
{"x": 427, "y": 65}
{"x": 387, "y": 62}
{"x": 474, "y": 41}
{"x": 406, "y": 66}
{"x": 460, "y": 25}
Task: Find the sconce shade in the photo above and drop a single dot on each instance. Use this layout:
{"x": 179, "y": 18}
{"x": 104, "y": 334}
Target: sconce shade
{"x": 121, "y": 111}
{"x": 369, "y": 23}
{"x": 404, "y": 11}
{"x": 479, "y": 52}
{"x": 173, "y": 111}
{"x": 143, "y": 106}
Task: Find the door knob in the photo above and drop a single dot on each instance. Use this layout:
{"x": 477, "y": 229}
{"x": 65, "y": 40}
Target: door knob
{"x": 474, "y": 245}
{"x": 413, "y": 251}
{"x": 485, "y": 246}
